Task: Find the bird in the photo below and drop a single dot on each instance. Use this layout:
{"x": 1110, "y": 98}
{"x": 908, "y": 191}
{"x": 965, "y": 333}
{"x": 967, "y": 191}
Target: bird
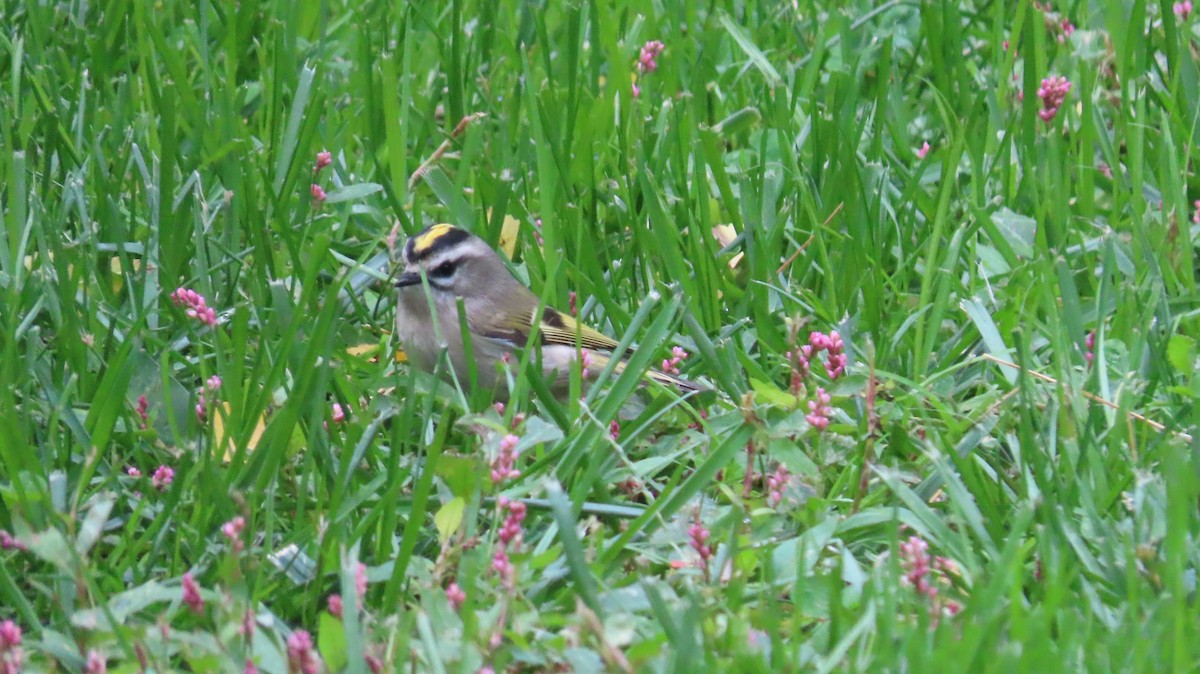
{"x": 500, "y": 316}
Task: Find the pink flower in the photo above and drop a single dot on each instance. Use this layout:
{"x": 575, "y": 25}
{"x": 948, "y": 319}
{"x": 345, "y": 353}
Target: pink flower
{"x": 250, "y": 667}
{"x": 798, "y": 360}
{"x": 510, "y": 530}
{"x": 455, "y": 596}
{"x": 142, "y": 406}
{"x": 318, "y": 194}
{"x": 776, "y": 483}
{"x": 95, "y": 663}
{"x": 637, "y": 91}
{"x": 832, "y": 343}
{"x": 191, "y": 594}
{"x": 671, "y": 365}
{"x": 302, "y": 658}
{"x": 819, "y": 412}
{"x": 1196, "y": 215}
{"x": 9, "y": 542}
{"x": 923, "y": 151}
{"x": 1067, "y": 28}
{"x": 337, "y": 413}
{"x": 698, "y": 539}
{"x": 162, "y": 478}
{"x": 12, "y": 656}
{"x": 211, "y": 386}
{"x": 1090, "y": 342}
{"x": 134, "y": 472}
{"x": 1183, "y": 9}
{"x": 585, "y": 364}
{"x": 324, "y": 158}
{"x": 10, "y": 635}
{"x": 360, "y": 582}
{"x": 614, "y": 429}
{"x": 506, "y": 458}
{"x": 1053, "y": 92}
{"x": 335, "y": 606}
{"x": 233, "y": 531}
{"x": 914, "y": 560}
{"x": 195, "y": 306}
{"x": 650, "y": 51}
{"x": 503, "y": 567}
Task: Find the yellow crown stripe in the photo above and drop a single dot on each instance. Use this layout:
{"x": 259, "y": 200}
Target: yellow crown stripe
{"x": 425, "y": 241}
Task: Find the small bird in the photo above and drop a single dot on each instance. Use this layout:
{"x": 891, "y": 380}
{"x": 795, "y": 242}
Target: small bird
{"x": 501, "y": 313}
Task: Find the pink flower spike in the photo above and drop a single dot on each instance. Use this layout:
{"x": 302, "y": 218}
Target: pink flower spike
{"x": 324, "y": 158}
{"x": 455, "y": 596}
{"x": 776, "y": 483}
{"x": 318, "y": 194}
{"x": 1067, "y": 28}
{"x": 194, "y": 306}
{"x": 650, "y": 52}
{"x": 302, "y": 658}
{"x": 503, "y": 466}
{"x": 1053, "y": 92}
{"x": 819, "y": 411}
{"x": 360, "y": 582}
{"x": 162, "y": 478}
{"x": 337, "y": 413}
{"x": 96, "y": 663}
{"x": 191, "y": 594}
{"x": 233, "y": 531}
{"x": 335, "y": 606}
{"x": 1183, "y": 9}
{"x": 923, "y": 151}
{"x": 9, "y": 542}
{"x": 510, "y": 530}
{"x": 250, "y": 667}
{"x": 142, "y": 406}
{"x": 698, "y": 539}
{"x": 10, "y": 635}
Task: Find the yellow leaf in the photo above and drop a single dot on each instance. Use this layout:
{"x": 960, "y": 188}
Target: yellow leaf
{"x": 449, "y": 518}
{"x": 508, "y": 235}
{"x": 725, "y": 235}
{"x": 225, "y": 441}
{"x": 400, "y": 356}
{"x": 361, "y": 349}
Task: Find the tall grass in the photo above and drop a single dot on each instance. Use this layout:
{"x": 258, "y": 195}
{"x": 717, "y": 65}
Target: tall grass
{"x": 1017, "y": 301}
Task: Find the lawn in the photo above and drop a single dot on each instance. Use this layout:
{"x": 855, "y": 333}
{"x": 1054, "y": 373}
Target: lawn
{"x": 936, "y": 262}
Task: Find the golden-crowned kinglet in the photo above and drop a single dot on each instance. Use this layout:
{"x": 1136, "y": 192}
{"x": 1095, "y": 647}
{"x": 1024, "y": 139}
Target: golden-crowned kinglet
{"x": 500, "y": 311}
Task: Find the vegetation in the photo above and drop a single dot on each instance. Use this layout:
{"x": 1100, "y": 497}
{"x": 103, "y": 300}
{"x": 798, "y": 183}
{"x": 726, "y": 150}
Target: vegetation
{"x": 936, "y": 260}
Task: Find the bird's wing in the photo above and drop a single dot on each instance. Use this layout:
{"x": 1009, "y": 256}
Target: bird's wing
{"x": 559, "y": 329}
{"x": 682, "y": 385}
{"x": 554, "y": 327}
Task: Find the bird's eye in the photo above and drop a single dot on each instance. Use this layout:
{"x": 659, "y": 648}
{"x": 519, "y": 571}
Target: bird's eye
{"x": 443, "y": 270}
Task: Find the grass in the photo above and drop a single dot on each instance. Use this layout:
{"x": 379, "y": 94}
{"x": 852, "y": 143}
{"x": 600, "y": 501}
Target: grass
{"x": 1018, "y": 306}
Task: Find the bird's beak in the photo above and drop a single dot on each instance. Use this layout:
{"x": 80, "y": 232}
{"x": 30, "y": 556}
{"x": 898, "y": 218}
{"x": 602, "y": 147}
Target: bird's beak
{"x": 408, "y": 278}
